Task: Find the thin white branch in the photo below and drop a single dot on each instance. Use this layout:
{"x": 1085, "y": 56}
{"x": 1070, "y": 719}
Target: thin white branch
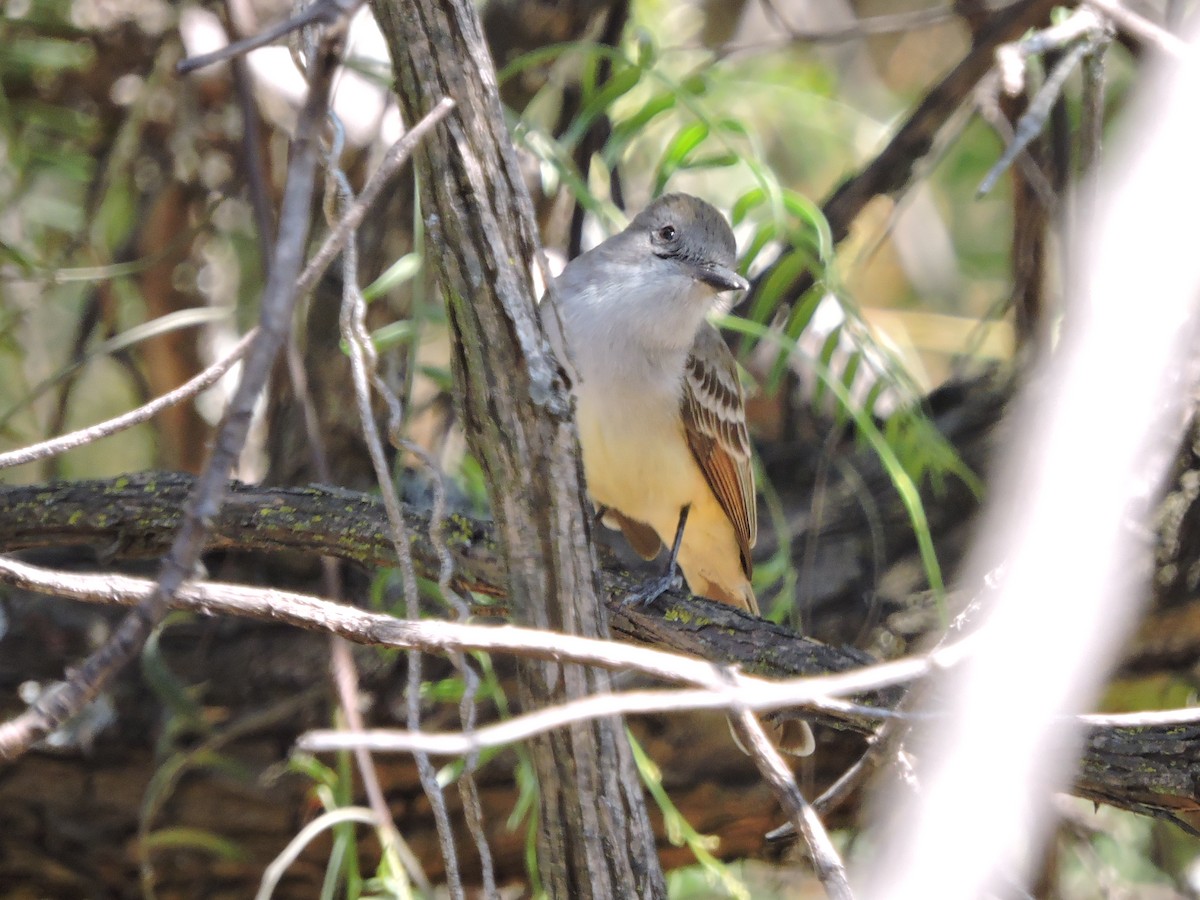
{"x": 454, "y": 743}
{"x": 1150, "y": 718}
{"x": 361, "y": 626}
{"x": 353, "y": 216}
{"x": 719, "y": 688}
{"x": 190, "y": 388}
{"x": 518, "y": 728}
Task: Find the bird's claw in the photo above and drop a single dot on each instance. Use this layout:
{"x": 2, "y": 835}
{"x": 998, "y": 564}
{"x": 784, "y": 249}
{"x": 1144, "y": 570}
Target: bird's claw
{"x": 653, "y": 589}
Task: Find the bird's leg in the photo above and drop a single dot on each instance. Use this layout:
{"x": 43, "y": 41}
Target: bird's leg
{"x": 656, "y": 587}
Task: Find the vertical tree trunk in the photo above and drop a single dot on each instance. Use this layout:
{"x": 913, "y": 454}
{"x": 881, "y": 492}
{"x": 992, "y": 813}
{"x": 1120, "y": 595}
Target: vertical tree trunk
{"x": 595, "y": 839}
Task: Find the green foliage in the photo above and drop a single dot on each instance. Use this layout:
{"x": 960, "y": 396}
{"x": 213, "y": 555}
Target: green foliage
{"x": 181, "y": 838}
{"x": 681, "y": 833}
{"x": 902, "y": 480}
{"x": 334, "y": 787}
{"x": 402, "y": 270}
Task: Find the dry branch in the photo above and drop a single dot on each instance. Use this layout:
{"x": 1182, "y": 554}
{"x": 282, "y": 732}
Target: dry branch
{"x": 1150, "y": 767}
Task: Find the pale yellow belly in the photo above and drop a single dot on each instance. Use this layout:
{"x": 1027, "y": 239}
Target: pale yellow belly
{"x": 649, "y": 474}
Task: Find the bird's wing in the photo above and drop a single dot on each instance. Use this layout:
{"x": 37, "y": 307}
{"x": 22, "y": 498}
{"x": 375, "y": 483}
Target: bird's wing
{"x": 642, "y": 538}
{"x": 714, "y": 419}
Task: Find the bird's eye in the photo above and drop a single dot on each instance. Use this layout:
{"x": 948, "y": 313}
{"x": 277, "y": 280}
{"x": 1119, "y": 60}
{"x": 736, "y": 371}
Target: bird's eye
{"x": 667, "y": 233}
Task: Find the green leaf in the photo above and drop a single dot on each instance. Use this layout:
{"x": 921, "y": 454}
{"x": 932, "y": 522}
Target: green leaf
{"x": 678, "y": 150}
{"x": 620, "y": 84}
{"x": 181, "y": 838}
{"x": 828, "y": 348}
{"x": 402, "y": 270}
{"x": 818, "y": 226}
{"x": 392, "y": 335}
{"x": 680, "y": 831}
{"x": 439, "y": 375}
{"x": 24, "y": 56}
{"x": 646, "y": 49}
{"x": 163, "y": 681}
{"x": 312, "y": 768}
{"x": 631, "y": 127}
{"x": 751, "y": 199}
{"x": 713, "y": 161}
{"x": 545, "y": 55}
{"x": 16, "y": 255}
{"x": 444, "y": 690}
{"x": 849, "y": 373}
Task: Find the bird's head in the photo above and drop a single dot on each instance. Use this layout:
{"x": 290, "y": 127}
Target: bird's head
{"x": 684, "y": 235}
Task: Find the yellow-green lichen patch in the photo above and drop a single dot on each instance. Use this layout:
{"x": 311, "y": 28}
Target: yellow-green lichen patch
{"x": 281, "y": 512}
{"x": 459, "y": 529}
{"x": 686, "y": 617}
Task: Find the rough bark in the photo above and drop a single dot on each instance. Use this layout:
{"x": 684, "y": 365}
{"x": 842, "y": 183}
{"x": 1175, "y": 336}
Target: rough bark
{"x": 594, "y": 839}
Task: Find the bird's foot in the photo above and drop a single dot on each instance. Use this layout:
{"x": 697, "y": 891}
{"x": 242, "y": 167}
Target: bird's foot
{"x": 653, "y": 589}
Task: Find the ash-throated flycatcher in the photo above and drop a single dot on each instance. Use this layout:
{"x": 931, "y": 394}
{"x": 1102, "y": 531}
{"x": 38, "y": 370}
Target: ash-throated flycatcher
{"x": 659, "y": 406}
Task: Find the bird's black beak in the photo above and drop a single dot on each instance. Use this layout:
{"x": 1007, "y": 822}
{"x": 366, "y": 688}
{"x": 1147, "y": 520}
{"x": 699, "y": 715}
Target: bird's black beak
{"x": 721, "y": 277}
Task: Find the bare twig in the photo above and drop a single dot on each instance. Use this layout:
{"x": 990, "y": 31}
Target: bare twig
{"x": 354, "y": 214}
{"x": 362, "y": 362}
{"x": 1083, "y": 35}
{"x": 341, "y": 662}
{"x": 825, "y": 858}
{"x": 472, "y": 807}
{"x": 523, "y": 727}
{"x": 201, "y": 382}
{"x": 849, "y": 781}
{"x": 1140, "y": 27}
{"x": 987, "y": 103}
{"x": 1091, "y": 124}
{"x": 467, "y": 707}
{"x": 361, "y": 626}
{"x": 321, "y": 12}
{"x": 55, "y": 706}
{"x": 345, "y": 679}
